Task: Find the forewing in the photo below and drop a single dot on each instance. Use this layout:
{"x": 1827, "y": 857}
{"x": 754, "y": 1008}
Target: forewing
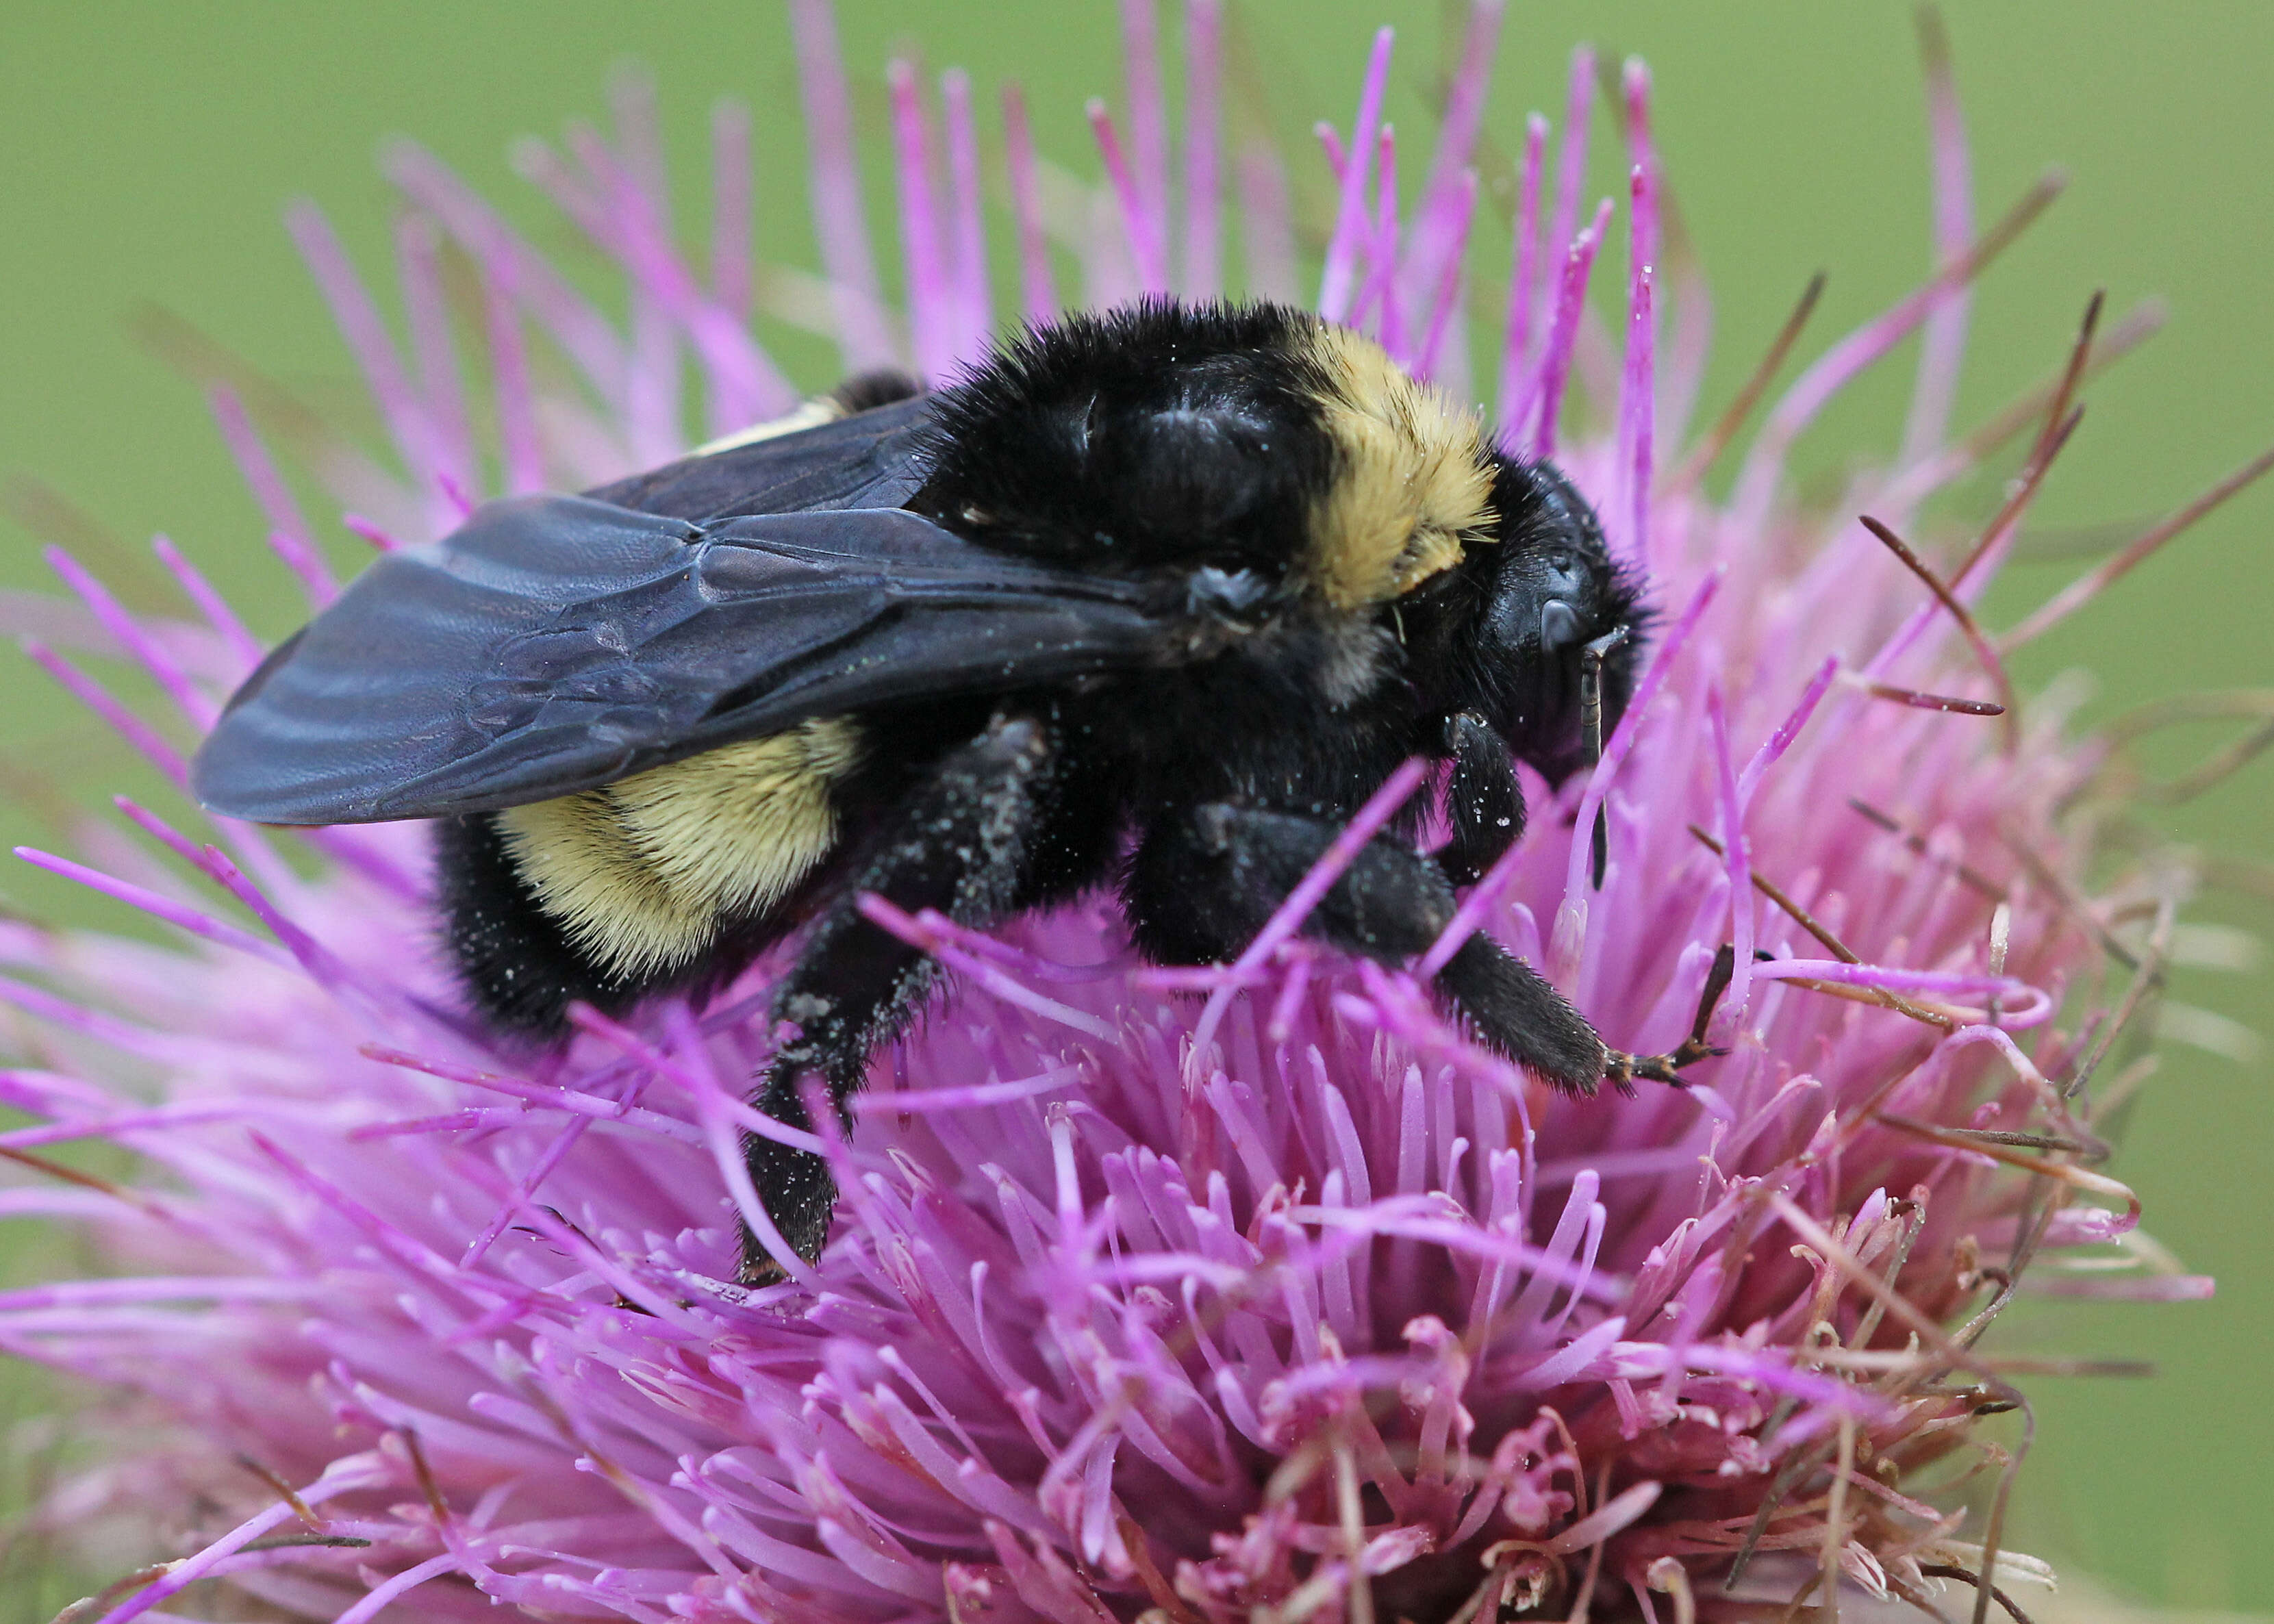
{"x": 557, "y": 642}
{"x": 864, "y": 461}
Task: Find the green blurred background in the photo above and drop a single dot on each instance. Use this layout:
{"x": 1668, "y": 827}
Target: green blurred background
{"x": 148, "y": 150}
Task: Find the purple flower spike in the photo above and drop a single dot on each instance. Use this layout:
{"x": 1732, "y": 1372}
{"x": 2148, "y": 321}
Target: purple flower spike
{"x": 1267, "y": 230}
{"x": 1518, "y": 370}
{"x": 1139, "y": 223}
{"x": 1338, "y": 284}
{"x": 843, "y": 234}
{"x": 1149, "y": 119}
{"x": 1035, "y": 281}
{"x": 1563, "y": 331}
{"x": 1943, "y": 344}
{"x": 1204, "y": 270}
{"x": 1571, "y": 165}
{"x": 1249, "y": 1292}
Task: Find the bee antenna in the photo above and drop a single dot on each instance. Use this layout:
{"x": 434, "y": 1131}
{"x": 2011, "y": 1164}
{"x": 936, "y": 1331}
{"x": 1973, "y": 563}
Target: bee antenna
{"x": 1590, "y": 735}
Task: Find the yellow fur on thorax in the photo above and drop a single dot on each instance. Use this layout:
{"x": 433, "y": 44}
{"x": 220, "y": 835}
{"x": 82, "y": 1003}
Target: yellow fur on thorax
{"x": 1414, "y": 485}
{"x": 643, "y": 873}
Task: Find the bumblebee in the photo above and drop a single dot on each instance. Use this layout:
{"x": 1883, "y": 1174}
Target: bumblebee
{"x": 1150, "y": 600}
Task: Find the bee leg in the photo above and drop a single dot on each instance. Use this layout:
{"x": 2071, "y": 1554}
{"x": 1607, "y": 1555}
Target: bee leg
{"x": 1667, "y": 1068}
{"x": 961, "y": 845}
{"x": 1483, "y": 801}
{"x": 1206, "y": 880}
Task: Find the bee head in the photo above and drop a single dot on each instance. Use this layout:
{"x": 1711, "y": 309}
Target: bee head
{"x": 1558, "y": 627}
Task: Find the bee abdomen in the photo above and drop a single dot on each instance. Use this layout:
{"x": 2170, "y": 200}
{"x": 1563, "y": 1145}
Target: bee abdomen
{"x": 611, "y": 892}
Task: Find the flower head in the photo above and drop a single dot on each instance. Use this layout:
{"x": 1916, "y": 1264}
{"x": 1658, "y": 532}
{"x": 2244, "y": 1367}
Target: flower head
{"x": 1251, "y": 1292}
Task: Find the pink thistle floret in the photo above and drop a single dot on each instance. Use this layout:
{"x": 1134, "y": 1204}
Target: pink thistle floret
{"x": 1254, "y": 1292}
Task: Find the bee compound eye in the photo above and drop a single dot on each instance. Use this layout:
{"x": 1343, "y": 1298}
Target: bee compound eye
{"x": 1563, "y": 574}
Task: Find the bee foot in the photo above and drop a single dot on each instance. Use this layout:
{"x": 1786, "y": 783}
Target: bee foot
{"x": 1622, "y": 1070}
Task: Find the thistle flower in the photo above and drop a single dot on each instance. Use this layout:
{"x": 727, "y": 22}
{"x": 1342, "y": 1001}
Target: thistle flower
{"x": 1254, "y": 1292}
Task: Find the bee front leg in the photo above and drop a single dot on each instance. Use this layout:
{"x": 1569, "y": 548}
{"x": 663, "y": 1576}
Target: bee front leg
{"x": 961, "y": 843}
{"x": 1206, "y": 879}
{"x": 1483, "y": 801}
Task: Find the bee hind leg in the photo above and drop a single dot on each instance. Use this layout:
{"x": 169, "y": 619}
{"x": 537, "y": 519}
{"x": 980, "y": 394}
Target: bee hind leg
{"x": 961, "y": 843}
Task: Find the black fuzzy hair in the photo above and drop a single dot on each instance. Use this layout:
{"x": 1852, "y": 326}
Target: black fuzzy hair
{"x": 1196, "y": 427}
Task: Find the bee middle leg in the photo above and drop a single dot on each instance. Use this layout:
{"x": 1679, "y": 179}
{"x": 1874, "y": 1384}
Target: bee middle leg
{"x": 962, "y": 844}
{"x": 1206, "y": 879}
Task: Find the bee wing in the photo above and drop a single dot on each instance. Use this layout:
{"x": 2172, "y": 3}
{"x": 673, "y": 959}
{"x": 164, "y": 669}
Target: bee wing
{"x": 864, "y": 461}
{"x": 556, "y": 643}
